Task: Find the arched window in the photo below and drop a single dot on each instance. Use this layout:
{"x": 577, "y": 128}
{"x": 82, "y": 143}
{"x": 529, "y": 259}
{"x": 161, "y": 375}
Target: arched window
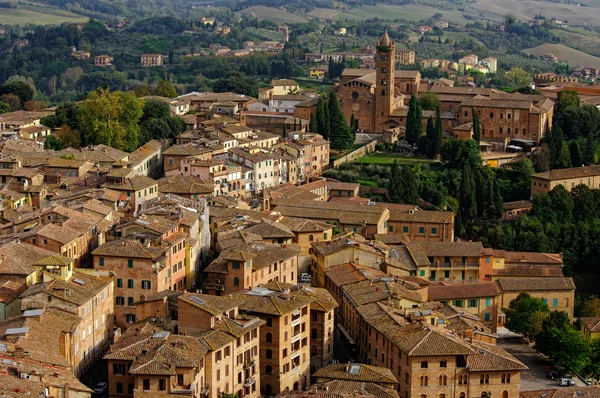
{"x": 443, "y": 380}
{"x": 487, "y": 379}
{"x": 484, "y": 394}
{"x": 462, "y": 395}
{"x": 508, "y": 377}
{"x": 296, "y": 385}
{"x": 442, "y": 395}
{"x": 424, "y": 381}
{"x": 285, "y": 336}
{"x": 460, "y": 380}
{"x": 269, "y": 354}
{"x": 503, "y": 378}
{"x": 236, "y": 281}
{"x": 269, "y": 338}
{"x": 505, "y": 394}
{"x": 423, "y": 396}
{"x": 268, "y": 369}
{"x": 310, "y": 238}
{"x": 481, "y": 379}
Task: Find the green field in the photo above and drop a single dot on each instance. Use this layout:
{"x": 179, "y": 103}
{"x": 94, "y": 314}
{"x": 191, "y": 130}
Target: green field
{"x": 38, "y": 15}
{"x": 580, "y": 39}
{"x": 274, "y": 14}
{"x": 566, "y": 54}
{"x": 410, "y": 12}
{"x": 389, "y": 158}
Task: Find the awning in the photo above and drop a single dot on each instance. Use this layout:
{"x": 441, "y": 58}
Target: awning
{"x": 346, "y": 334}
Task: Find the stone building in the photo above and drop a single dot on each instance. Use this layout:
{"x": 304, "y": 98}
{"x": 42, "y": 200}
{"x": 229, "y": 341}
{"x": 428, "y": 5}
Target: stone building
{"x": 568, "y": 178}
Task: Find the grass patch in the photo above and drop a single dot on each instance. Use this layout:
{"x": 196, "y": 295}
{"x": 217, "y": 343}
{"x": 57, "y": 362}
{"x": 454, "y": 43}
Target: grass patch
{"x": 389, "y": 158}
{"x": 367, "y": 183}
{"x": 274, "y": 14}
{"x": 411, "y": 12}
{"x": 566, "y": 54}
{"x": 38, "y": 15}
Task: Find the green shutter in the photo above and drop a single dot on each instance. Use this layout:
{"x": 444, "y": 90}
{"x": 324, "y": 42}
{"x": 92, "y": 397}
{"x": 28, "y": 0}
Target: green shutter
{"x": 119, "y": 282}
{"x": 130, "y": 283}
{"x": 129, "y": 263}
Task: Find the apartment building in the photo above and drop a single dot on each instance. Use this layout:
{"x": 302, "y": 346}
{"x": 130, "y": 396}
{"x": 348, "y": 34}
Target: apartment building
{"x": 245, "y": 266}
{"x": 85, "y": 293}
{"x": 234, "y": 363}
{"x": 151, "y": 60}
{"x": 139, "y": 270}
{"x": 422, "y": 225}
{"x": 284, "y": 339}
{"x": 137, "y": 188}
{"x": 568, "y": 178}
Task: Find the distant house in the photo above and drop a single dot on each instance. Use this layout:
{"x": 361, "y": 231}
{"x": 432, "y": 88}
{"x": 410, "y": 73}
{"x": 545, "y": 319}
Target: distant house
{"x": 152, "y": 60}
{"x": 80, "y": 54}
{"x": 103, "y": 60}
{"x": 441, "y": 24}
{"x": 425, "y": 29}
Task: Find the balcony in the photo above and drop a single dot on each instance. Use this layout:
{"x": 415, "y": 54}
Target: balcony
{"x": 295, "y": 338}
{"x": 183, "y": 390}
{"x": 296, "y": 318}
{"x": 249, "y": 382}
{"x": 204, "y": 390}
{"x": 295, "y": 369}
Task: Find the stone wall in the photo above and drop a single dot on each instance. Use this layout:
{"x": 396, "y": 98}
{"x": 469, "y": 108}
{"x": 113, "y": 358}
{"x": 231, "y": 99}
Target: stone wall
{"x": 359, "y": 153}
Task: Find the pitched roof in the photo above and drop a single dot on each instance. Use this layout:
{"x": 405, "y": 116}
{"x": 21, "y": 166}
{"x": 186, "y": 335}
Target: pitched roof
{"x": 573, "y": 172}
{"x": 302, "y": 225}
{"x": 268, "y": 230}
{"x": 463, "y": 290}
{"x": 185, "y": 185}
{"x": 272, "y": 303}
{"x": 452, "y": 249}
{"x": 18, "y": 258}
{"x": 10, "y": 290}
{"x": 214, "y": 305}
{"x": 356, "y": 372}
{"x": 128, "y": 248}
{"x": 535, "y": 284}
{"x": 134, "y": 183}
{"x": 592, "y": 324}
{"x": 527, "y": 258}
{"x": 564, "y": 392}
{"x": 428, "y": 216}
{"x": 344, "y": 274}
{"x": 490, "y": 357}
{"x": 322, "y": 299}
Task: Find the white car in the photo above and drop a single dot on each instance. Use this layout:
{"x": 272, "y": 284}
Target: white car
{"x": 100, "y": 388}
{"x": 306, "y": 278}
{"x": 567, "y": 382}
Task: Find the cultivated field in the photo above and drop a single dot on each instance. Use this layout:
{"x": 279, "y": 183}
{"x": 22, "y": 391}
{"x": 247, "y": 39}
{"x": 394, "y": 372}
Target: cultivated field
{"x": 274, "y": 14}
{"x": 324, "y": 13}
{"x": 41, "y": 16}
{"x": 566, "y": 54}
{"x": 527, "y": 9}
{"x": 409, "y": 12}
{"x": 580, "y": 39}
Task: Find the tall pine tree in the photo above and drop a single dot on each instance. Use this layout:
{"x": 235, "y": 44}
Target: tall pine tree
{"x": 341, "y": 137}
{"x": 430, "y": 135}
{"x": 414, "y": 127}
{"x": 326, "y": 122}
{"x": 312, "y": 126}
{"x": 476, "y": 125}
{"x": 439, "y": 132}
{"x": 322, "y": 123}
{"x": 467, "y": 207}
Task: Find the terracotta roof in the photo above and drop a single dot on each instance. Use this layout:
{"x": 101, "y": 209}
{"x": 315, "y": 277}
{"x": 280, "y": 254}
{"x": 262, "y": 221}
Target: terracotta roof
{"x": 517, "y": 204}
{"x": 592, "y": 324}
{"x": 443, "y": 217}
{"x": 214, "y": 305}
{"x": 9, "y": 291}
{"x": 134, "y": 183}
{"x": 375, "y": 290}
{"x": 563, "y": 392}
{"x": 18, "y": 258}
{"x": 490, "y": 357}
{"x": 268, "y": 230}
{"x": 529, "y": 270}
{"x": 302, "y": 225}
{"x": 185, "y": 185}
{"x": 128, "y": 248}
{"x": 463, "y": 290}
{"x": 452, "y": 249}
{"x": 391, "y": 238}
{"x": 535, "y": 284}
{"x": 272, "y": 303}
{"x": 573, "y": 172}
{"x": 342, "y": 389}
{"x": 356, "y": 372}
{"x": 533, "y": 258}
{"x": 343, "y": 186}
{"x": 322, "y": 300}
{"x": 348, "y": 273}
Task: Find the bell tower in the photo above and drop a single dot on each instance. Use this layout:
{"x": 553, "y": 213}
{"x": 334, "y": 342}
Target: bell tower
{"x": 385, "y": 61}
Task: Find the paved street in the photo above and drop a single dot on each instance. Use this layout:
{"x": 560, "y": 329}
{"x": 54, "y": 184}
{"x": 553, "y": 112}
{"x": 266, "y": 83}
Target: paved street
{"x": 534, "y": 378}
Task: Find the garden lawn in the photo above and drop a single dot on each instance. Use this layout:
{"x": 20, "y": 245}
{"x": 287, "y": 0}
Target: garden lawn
{"x": 388, "y": 158}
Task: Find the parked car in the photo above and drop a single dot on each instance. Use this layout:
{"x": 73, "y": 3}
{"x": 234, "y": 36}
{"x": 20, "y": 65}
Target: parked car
{"x": 100, "y": 388}
{"x": 555, "y": 374}
{"x": 566, "y": 382}
{"x": 306, "y": 278}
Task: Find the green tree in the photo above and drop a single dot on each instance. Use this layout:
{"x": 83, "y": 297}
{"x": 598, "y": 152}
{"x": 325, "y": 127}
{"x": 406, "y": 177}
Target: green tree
{"x": 559, "y": 341}
{"x": 142, "y": 91}
{"x": 341, "y": 137}
{"x": 429, "y": 100}
{"x": 19, "y": 88}
{"x": 566, "y": 99}
{"x": 155, "y": 109}
{"x": 439, "y": 132}
{"x": 476, "y": 126}
{"x": 594, "y": 363}
{"x": 322, "y": 123}
{"x": 456, "y": 152}
{"x": 430, "y": 138}
{"x": 517, "y": 77}
{"x": 575, "y": 152}
{"x": 590, "y": 308}
{"x": 467, "y": 207}
{"x": 404, "y": 185}
{"x": 313, "y": 126}
{"x": 165, "y": 89}
{"x": 52, "y": 142}
{"x": 563, "y": 158}
{"x": 236, "y": 82}
{"x": 69, "y": 137}
{"x": 284, "y": 131}
{"x": 414, "y": 121}
{"x": 4, "y": 107}
{"x": 111, "y": 118}
{"x": 152, "y": 129}
{"x": 521, "y": 312}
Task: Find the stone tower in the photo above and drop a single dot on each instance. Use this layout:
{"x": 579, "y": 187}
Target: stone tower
{"x": 384, "y": 92}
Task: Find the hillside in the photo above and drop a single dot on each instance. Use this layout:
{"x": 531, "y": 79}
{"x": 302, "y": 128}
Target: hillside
{"x": 274, "y": 14}
{"x": 38, "y": 15}
{"x": 566, "y": 54}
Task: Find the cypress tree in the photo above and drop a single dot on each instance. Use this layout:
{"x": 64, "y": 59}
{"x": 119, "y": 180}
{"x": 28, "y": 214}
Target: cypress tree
{"x": 439, "y": 132}
{"x": 430, "y": 136}
{"x": 353, "y": 127}
{"x": 326, "y": 122}
{"x": 576, "y": 157}
{"x": 498, "y": 205}
{"x": 321, "y": 121}
{"x": 295, "y": 126}
{"x": 313, "y": 123}
{"x": 414, "y": 121}
{"x": 476, "y": 126}
{"x": 284, "y": 130}
{"x": 467, "y": 207}
{"x": 341, "y": 136}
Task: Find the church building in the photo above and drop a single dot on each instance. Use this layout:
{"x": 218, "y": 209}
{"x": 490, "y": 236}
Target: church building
{"x": 376, "y": 97}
